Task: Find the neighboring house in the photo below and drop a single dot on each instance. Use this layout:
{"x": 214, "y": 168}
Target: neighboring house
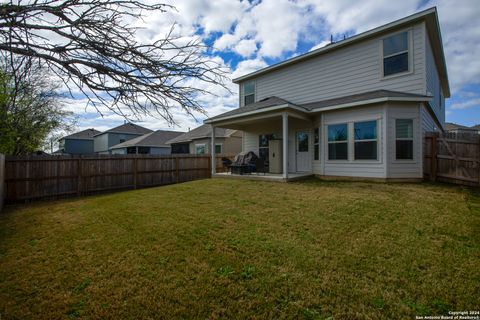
{"x": 77, "y": 143}
{"x": 150, "y": 143}
{"x": 458, "y": 128}
{"x": 354, "y": 108}
{"x": 198, "y": 141}
{"x": 103, "y": 141}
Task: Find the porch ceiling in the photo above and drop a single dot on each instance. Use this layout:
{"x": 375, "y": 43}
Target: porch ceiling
{"x": 264, "y": 119}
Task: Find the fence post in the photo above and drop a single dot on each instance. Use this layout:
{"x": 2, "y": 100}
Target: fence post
{"x": 177, "y": 161}
{"x": 433, "y": 159}
{"x": 135, "y": 172}
{"x": 79, "y": 178}
{"x": 209, "y": 158}
{"x": 2, "y": 180}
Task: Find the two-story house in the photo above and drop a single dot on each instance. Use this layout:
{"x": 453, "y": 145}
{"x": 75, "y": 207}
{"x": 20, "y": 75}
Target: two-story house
{"x": 102, "y": 142}
{"x": 354, "y": 108}
{"x": 77, "y": 143}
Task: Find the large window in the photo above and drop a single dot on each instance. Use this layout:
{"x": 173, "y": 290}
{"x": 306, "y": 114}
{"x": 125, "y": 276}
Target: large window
{"x": 395, "y": 54}
{"x": 263, "y": 140}
{"x": 249, "y": 92}
{"x": 365, "y": 140}
{"x": 404, "y": 139}
{"x": 338, "y": 141}
{"x": 316, "y": 141}
{"x": 200, "y": 148}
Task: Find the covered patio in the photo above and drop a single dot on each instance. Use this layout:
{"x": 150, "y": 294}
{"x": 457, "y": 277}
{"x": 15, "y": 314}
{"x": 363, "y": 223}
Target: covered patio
{"x": 288, "y": 124}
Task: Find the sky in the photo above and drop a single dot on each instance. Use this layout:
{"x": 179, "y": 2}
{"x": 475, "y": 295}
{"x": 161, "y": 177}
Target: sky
{"x": 245, "y": 36}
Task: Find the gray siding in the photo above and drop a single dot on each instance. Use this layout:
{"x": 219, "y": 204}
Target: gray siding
{"x": 103, "y": 142}
{"x": 349, "y": 70}
{"x": 428, "y": 123}
{"x": 231, "y": 145}
{"x": 351, "y": 167}
{"x": 404, "y": 168}
{"x": 100, "y": 143}
{"x": 77, "y": 146}
{"x": 433, "y": 83}
{"x": 160, "y": 150}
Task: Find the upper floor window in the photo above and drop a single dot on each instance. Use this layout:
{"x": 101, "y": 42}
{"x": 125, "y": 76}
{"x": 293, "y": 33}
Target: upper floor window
{"x": 248, "y": 92}
{"x": 395, "y": 54}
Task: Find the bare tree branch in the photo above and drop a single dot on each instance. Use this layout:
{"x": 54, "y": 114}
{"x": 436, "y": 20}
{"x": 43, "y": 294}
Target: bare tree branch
{"x": 92, "y": 47}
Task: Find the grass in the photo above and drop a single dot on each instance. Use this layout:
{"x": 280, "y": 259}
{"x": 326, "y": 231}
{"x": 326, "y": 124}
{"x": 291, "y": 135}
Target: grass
{"x": 241, "y": 249}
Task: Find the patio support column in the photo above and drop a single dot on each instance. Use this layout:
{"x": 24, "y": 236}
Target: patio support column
{"x": 285, "y": 144}
{"x": 212, "y": 152}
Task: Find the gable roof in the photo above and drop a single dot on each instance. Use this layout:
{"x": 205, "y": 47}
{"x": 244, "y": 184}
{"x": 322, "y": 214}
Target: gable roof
{"x": 82, "y": 135}
{"x": 429, "y": 16}
{"x": 154, "y": 139}
{"x": 454, "y": 126}
{"x": 129, "y": 128}
{"x": 275, "y": 103}
{"x": 202, "y": 132}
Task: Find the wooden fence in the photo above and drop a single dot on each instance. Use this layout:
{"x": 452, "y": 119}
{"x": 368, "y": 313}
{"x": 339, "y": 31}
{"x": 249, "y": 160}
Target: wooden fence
{"x": 2, "y": 180}
{"x": 51, "y": 177}
{"x": 453, "y": 157}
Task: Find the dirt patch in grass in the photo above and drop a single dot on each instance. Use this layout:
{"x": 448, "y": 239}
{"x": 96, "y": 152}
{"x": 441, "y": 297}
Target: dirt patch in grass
{"x": 242, "y": 249}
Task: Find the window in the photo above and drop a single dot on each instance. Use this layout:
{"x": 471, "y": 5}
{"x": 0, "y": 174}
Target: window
{"x": 316, "y": 139}
{"x": 132, "y": 150}
{"x": 338, "y": 142}
{"x": 263, "y": 140}
{"x": 143, "y": 150}
{"x": 404, "y": 139}
{"x": 395, "y": 54}
{"x": 181, "y": 148}
{"x": 365, "y": 140}
{"x": 122, "y": 140}
{"x": 218, "y": 148}
{"x": 249, "y": 92}
{"x": 302, "y": 140}
{"x": 200, "y": 148}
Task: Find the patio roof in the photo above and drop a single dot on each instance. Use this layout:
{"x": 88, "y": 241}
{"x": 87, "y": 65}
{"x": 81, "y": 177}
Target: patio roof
{"x": 275, "y": 103}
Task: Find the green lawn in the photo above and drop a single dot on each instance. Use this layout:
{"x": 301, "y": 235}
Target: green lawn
{"x": 228, "y": 249}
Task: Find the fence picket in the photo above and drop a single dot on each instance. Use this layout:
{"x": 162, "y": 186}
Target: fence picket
{"x": 50, "y": 177}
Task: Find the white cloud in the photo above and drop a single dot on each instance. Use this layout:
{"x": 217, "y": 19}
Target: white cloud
{"x": 466, "y": 104}
{"x": 226, "y": 41}
{"x": 246, "y": 48}
{"x": 248, "y": 66}
{"x": 460, "y": 28}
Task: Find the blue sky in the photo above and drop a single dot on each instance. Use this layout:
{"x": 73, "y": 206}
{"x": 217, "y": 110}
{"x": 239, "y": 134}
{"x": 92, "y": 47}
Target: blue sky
{"x": 249, "y": 35}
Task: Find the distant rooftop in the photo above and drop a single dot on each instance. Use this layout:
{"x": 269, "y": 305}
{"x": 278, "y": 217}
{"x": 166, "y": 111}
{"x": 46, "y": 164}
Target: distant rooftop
{"x": 154, "y": 139}
{"x": 129, "y": 128}
{"x": 83, "y": 135}
{"x": 204, "y": 131}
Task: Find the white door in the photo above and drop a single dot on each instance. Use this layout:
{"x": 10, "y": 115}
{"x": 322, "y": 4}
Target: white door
{"x": 304, "y": 161}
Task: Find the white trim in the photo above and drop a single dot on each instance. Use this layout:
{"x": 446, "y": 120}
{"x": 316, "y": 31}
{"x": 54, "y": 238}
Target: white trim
{"x": 285, "y": 144}
{"x": 409, "y": 51}
{"x": 414, "y": 144}
{"x": 334, "y": 107}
